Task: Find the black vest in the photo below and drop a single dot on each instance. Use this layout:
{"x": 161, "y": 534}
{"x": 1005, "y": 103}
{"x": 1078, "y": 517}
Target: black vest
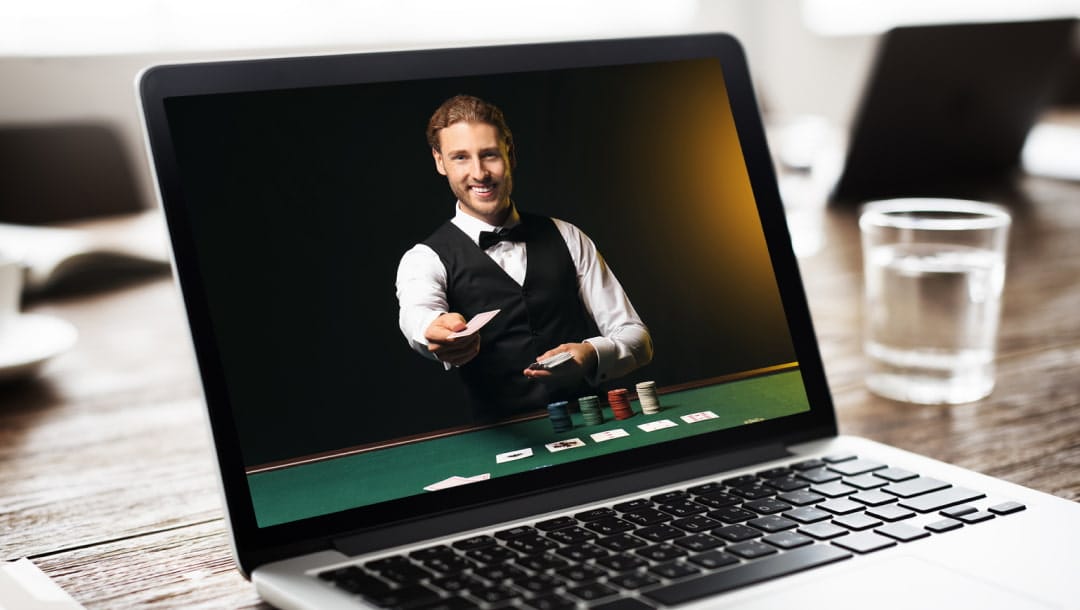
{"x": 535, "y": 317}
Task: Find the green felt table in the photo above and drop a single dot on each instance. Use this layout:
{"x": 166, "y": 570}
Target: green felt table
{"x": 332, "y": 485}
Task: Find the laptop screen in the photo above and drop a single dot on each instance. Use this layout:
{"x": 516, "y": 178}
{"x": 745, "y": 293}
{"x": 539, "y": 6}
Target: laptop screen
{"x": 326, "y": 229}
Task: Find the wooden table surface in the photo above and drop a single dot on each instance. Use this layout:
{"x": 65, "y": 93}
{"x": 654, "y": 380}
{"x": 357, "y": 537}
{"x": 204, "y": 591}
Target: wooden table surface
{"x": 107, "y": 482}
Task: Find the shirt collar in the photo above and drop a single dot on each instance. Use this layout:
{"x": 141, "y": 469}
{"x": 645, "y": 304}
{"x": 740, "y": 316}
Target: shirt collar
{"x": 472, "y": 226}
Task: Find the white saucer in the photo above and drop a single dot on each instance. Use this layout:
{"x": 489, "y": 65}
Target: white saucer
{"x": 30, "y": 340}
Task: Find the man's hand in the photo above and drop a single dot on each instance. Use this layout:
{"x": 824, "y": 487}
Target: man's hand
{"x": 456, "y": 351}
{"x": 583, "y": 364}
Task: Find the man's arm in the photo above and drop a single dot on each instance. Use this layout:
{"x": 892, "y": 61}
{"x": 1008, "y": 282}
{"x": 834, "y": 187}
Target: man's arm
{"x": 624, "y": 343}
{"x": 422, "y": 313}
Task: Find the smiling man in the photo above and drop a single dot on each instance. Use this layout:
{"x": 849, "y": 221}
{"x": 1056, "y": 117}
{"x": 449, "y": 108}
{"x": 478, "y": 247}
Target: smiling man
{"x": 553, "y": 290}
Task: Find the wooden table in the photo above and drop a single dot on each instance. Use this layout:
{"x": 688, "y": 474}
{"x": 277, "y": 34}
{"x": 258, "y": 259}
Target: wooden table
{"x": 107, "y": 483}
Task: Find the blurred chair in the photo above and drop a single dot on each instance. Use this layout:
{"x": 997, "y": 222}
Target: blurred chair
{"x": 62, "y": 172}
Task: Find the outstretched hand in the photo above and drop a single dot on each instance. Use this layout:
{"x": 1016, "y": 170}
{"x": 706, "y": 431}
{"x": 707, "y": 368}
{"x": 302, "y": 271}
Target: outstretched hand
{"x": 454, "y": 351}
{"x": 583, "y": 364}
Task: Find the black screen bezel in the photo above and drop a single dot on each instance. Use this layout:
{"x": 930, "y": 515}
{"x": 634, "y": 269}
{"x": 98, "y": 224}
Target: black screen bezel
{"x": 256, "y": 545}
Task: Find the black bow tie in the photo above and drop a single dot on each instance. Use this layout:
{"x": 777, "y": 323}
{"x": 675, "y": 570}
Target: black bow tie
{"x": 490, "y": 238}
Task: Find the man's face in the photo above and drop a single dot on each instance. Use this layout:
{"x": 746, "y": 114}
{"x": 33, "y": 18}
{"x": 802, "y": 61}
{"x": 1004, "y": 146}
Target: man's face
{"x": 476, "y": 163}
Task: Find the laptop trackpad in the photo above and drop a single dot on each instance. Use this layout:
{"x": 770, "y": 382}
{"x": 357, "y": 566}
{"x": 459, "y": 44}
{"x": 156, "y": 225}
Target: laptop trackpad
{"x": 900, "y": 582}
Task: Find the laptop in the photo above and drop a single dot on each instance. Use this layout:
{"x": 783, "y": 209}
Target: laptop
{"x": 948, "y": 107}
{"x": 686, "y": 456}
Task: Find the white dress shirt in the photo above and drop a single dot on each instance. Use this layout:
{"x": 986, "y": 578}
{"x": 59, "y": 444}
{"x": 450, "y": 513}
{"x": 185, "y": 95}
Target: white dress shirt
{"x": 624, "y": 343}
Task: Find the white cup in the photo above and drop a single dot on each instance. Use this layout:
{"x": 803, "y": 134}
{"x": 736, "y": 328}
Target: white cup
{"x": 11, "y": 281}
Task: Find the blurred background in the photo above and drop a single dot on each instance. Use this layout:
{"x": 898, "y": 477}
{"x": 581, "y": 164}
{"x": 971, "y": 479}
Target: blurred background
{"x": 70, "y": 137}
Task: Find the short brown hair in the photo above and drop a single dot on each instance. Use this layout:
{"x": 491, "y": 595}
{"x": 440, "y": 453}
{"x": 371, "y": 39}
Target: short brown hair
{"x": 470, "y": 109}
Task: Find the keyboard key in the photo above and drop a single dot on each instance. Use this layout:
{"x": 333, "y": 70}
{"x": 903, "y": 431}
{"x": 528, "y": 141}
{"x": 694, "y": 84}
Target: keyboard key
{"x": 682, "y": 508}
{"x": 841, "y": 506}
{"x": 514, "y": 532}
{"x": 355, "y": 580}
{"x": 492, "y": 595}
{"x": 732, "y": 514}
{"x": 582, "y": 552}
{"x": 857, "y": 521}
{"x": 802, "y": 497}
{"x": 873, "y": 497}
{"x": 944, "y": 525}
{"x": 839, "y": 457}
{"x": 772, "y": 523}
{"x": 621, "y": 562}
{"x": 976, "y": 517}
{"x": 713, "y": 559}
{"x": 556, "y": 523}
{"x": 623, "y": 507}
{"x": 1007, "y": 508}
{"x": 539, "y": 584}
{"x": 379, "y": 565}
{"x": 540, "y": 563}
{"x": 807, "y": 464}
{"x": 476, "y": 542}
{"x": 609, "y": 526}
{"x": 450, "y": 564}
{"x": 940, "y": 499}
{"x": 866, "y": 481}
{"x": 499, "y": 573}
{"x": 621, "y": 542}
{"x": 456, "y": 583}
{"x": 431, "y": 552}
{"x": 788, "y": 540}
{"x": 767, "y": 506}
{"x": 592, "y": 591}
{"x": 581, "y": 573}
{"x": 751, "y": 549}
{"x": 736, "y": 533}
{"x": 808, "y": 514}
{"x": 890, "y": 512}
{"x": 823, "y": 530}
{"x": 695, "y": 524}
{"x": 915, "y": 487}
{"x": 853, "y": 467}
{"x": 751, "y": 573}
{"x": 572, "y": 535}
{"x": 833, "y": 489}
{"x": 864, "y": 542}
{"x": 633, "y": 581}
{"x": 902, "y": 532}
{"x": 706, "y": 488}
{"x": 696, "y": 543}
{"x": 449, "y": 603}
{"x": 774, "y": 473}
{"x": 492, "y": 554}
{"x": 405, "y": 573}
{"x": 670, "y": 496}
{"x": 674, "y": 570}
{"x": 753, "y": 492}
{"x": 739, "y": 481}
{"x": 956, "y": 511}
{"x": 819, "y": 475}
{"x": 661, "y": 552}
{"x": 531, "y": 544}
{"x": 413, "y": 595}
{"x": 549, "y": 602}
{"x": 658, "y": 533}
{"x": 717, "y": 499}
{"x": 592, "y": 515}
{"x": 646, "y": 516}
{"x": 626, "y": 603}
{"x": 895, "y": 474}
{"x": 787, "y": 483}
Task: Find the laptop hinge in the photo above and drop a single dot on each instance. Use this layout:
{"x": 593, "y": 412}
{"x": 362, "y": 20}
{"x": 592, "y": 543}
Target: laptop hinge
{"x": 523, "y": 507}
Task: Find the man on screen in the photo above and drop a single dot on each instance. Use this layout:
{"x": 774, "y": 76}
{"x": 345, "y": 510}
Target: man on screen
{"x": 554, "y": 291}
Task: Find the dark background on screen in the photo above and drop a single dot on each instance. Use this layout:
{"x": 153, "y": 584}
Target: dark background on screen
{"x": 303, "y": 201}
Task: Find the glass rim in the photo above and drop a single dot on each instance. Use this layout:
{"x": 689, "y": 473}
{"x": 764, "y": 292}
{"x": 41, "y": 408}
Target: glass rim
{"x": 923, "y": 213}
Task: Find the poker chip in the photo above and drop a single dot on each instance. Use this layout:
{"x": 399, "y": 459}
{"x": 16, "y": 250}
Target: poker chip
{"x": 646, "y": 393}
{"x": 619, "y": 401}
{"x": 590, "y": 410}
{"x": 560, "y": 416}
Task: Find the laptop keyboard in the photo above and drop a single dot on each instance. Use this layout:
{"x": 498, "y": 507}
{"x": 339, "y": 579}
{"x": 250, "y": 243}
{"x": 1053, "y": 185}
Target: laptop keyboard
{"x": 677, "y": 546}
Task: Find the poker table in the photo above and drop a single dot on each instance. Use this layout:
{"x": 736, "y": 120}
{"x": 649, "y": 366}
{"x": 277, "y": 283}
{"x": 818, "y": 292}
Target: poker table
{"x": 330, "y": 485}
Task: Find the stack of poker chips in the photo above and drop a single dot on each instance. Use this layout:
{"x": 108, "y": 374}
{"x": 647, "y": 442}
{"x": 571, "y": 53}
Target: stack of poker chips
{"x": 646, "y": 393}
{"x": 620, "y": 403}
{"x": 560, "y": 416}
{"x": 590, "y": 410}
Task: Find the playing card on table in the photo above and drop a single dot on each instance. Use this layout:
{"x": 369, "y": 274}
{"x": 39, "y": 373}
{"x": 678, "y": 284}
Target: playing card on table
{"x": 478, "y": 321}
{"x": 455, "y": 480}
{"x": 659, "y": 424}
{"x": 607, "y": 435}
{"x": 569, "y": 443}
{"x": 510, "y": 456}
{"x": 699, "y": 416}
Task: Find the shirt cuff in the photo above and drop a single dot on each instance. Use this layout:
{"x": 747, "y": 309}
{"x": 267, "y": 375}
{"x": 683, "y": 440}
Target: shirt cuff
{"x": 606, "y": 358}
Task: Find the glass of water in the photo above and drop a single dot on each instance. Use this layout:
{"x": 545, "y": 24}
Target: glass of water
{"x": 934, "y": 271}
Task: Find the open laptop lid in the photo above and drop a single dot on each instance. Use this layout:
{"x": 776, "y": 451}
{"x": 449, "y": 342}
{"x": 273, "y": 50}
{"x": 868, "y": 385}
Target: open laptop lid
{"x": 292, "y": 187}
{"x": 949, "y": 106}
